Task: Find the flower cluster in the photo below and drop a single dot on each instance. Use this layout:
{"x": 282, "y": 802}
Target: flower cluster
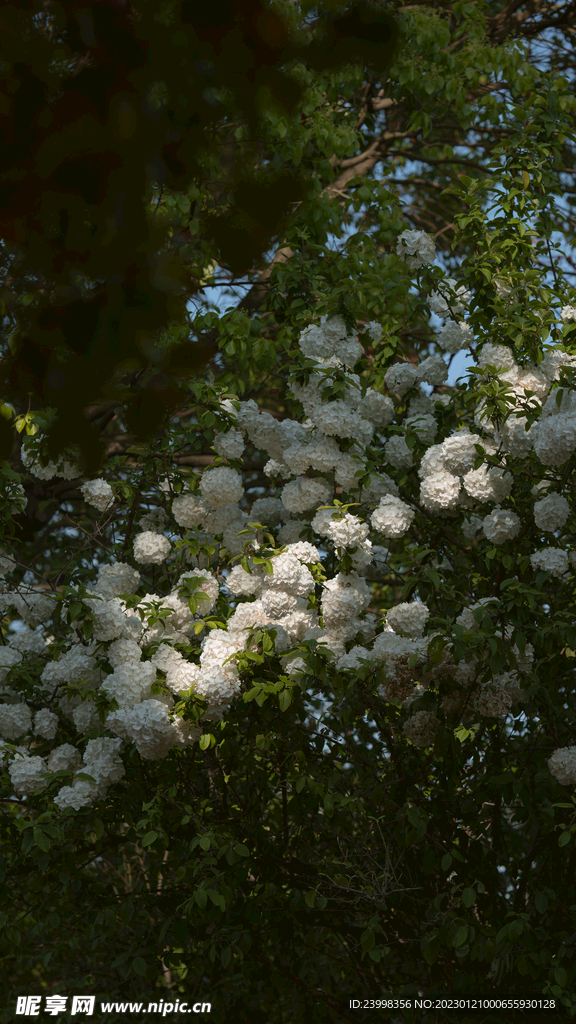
{"x": 299, "y": 563}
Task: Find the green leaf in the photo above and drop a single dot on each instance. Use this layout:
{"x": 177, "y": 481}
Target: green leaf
{"x": 139, "y": 966}
{"x": 310, "y": 898}
{"x": 468, "y": 897}
{"x": 446, "y": 861}
{"x": 201, "y": 898}
{"x": 564, "y": 839}
{"x": 541, "y": 903}
{"x": 368, "y": 940}
{"x": 285, "y": 699}
{"x": 241, "y": 850}
{"x": 41, "y": 839}
{"x": 460, "y": 936}
{"x": 149, "y": 838}
{"x": 205, "y": 741}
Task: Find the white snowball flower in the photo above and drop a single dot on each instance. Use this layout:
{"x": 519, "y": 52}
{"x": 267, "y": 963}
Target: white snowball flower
{"x": 27, "y": 774}
{"x": 7, "y": 563}
{"x": 568, "y": 314}
{"x": 410, "y": 617}
{"x": 551, "y": 512}
{"x": 392, "y": 518}
{"x": 85, "y": 717}
{"x": 268, "y": 511}
{"x": 27, "y": 641}
{"x": 343, "y": 599}
{"x": 439, "y": 492}
{"x": 45, "y": 724}
{"x": 398, "y": 454}
{"x": 98, "y": 493}
{"x": 497, "y": 355}
{"x": 562, "y": 765}
{"x": 432, "y": 370}
{"x": 155, "y": 520}
{"x": 304, "y": 552}
{"x": 151, "y": 548}
{"x": 64, "y": 758}
{"x": 400, "y": 377}
{"x": 305, "y": 493}
{"x": 221, "y": 486}
{"x": 8, "y": 658}
{"x": 377, "y": 408}
{"x": 455, "y": 335}
{"x": 449, "y": 299}
{"x": 421, "y": 728}
{"x": 130, "y": 683}
{"x": 501, "y": 525}
{"x": 242, "y": 583}
{"x": 424, "y": 426}
{"x": 417, "y": 248}
{"x": 551, "y": 560}
{"x": 15, "y": 720}
{"x": 277, "y": 468}
{"x": 354, "y": 659}
{"x": 116, "y": 578}
{"x": 555, "y": 440}
{"x": 459, "y": 452}
{"x": 488, "y": 484}
{"x": 230, "y": 444}
{"x": 330, "y": 338}
{"x": 189, "y": 511}
{"x": 374, "y": 330}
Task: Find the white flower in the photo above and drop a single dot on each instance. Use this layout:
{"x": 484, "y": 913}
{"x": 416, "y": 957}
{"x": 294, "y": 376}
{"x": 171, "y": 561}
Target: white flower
{"x": 400, "y": 377}
{"x": 330, "y": 338}
{"x": 98, "y": 493}
{"x": 398, "y": 454}
{"x": 424, "y": 425}
{"x": 497, "y": 355}
{"x": 305, "y": 493}
{"x": 15, "y": 720}
{"x": 8, "y": 658}
{"x": 432, "y": 370}
{"x": 64, "y": 758}
{"x": 552, "y": 560}
{"x": 27, "y": 774}
{"x": 488, "y": 484}
{"x": 449, "y": 299}
{"x": 221, "y": 486}
{"x": 377, "y": 408}
{"x": 568, "y": 314}
{"x": 421, "y": 728}
{"x": 116, "y": 578}
{"x": 353, "y": 659}
{"x": 155, "y": 520}
{"x": 374, "y": 330}
{"x": 501, "y": 525}
{"x": 268, "y": 511}
{"x": 439, "y": 492}
{"x": 189, "y": 511}
{"x": 242, "y": 583}
{"x": 277, "y": 468}
{"x": 229, "y": 445}
{"x": 392, "y": 518}
{"x": 551, "y": 512}
{"x": 27, "y": 641}
{"x": 562, "y": 765}
{"x": 555, "y": 440}
{"x": 417, "y": 248}
{"x": 343, "y": 600}
{"x": 410, "y": 617}
{"x": 455, "y": 335}
{"x": 45, "y": 724}
{"x": 459, "y": 452}
{"x": 130, "y": 683}
{"x": 151, "y": 548}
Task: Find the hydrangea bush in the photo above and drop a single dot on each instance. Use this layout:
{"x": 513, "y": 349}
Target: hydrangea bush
{"x": 309, "y": 653}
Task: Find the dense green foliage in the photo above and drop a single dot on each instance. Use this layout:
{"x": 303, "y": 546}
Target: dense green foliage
{"x": 305, "y": 852}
